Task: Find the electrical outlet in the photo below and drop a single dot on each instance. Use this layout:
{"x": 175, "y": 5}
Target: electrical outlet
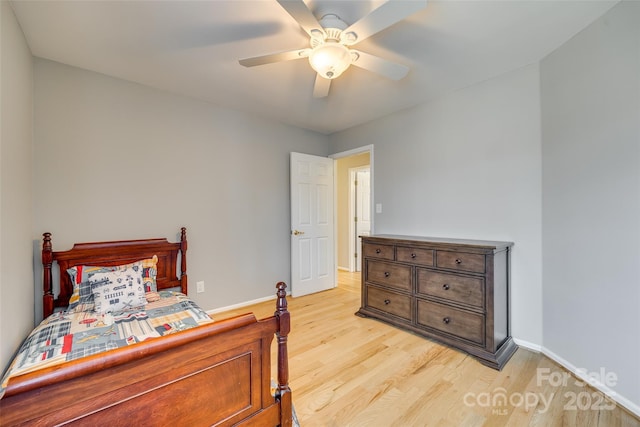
{"x": 200, "y": 287}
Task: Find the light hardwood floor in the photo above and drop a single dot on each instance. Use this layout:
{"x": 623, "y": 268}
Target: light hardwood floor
{"x": 350, "y": 371}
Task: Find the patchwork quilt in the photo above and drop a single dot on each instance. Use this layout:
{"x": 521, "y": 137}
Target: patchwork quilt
{"x": 70, "y": 335}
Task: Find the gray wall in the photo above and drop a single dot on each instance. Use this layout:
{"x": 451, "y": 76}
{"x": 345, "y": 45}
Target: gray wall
{"x": 16, "y": 112}
{"x": 467, "y": 166}
{"x": 118, "y": 160}
{"x": 591, "y": 206}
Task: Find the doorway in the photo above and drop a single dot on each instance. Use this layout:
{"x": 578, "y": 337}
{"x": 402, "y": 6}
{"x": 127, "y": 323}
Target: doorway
{"x": 359, "y": 212}
{"x": 350, "y": 205}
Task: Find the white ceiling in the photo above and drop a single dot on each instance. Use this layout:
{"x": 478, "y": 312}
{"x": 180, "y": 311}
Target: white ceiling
{"x": 193, "y": 48}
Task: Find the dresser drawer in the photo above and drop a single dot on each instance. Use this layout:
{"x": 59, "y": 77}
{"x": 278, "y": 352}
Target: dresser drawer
{"x": 461, "y": 289}
{"x": 386, "y": 273}
{"x": 389, "y": 302}
{"x": 460, "y": 261}
{"x": 452, "y": 321}
{"x": 415, "y": 255}
{"x": 373, "y": 250}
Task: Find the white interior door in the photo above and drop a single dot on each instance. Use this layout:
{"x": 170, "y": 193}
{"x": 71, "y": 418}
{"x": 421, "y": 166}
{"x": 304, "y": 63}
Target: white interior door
{"x": 312, "y": 224}
{"x": 360, "y": 179}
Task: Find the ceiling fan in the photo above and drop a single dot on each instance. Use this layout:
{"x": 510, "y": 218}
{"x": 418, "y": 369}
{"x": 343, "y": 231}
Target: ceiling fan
{"x": 330, "y": 52}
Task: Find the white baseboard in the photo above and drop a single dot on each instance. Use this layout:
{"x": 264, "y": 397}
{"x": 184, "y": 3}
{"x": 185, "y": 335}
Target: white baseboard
{"x": 579, "y": 373}
{"x": 528, "y": 345}
{"x": 344, "y": 268}
{"x": 594, "y": 382}
{"x": 242, "y": 304}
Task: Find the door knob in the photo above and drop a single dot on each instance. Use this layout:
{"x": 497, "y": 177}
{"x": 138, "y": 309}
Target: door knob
{"x": 297, "y": 233}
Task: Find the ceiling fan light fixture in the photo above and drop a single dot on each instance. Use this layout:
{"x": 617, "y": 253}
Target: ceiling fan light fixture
{"x": 331, "y": 39}
{"x": 330, "y": 59}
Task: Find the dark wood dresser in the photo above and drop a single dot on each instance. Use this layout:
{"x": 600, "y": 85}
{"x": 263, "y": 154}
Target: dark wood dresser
{"x": 451, "y": 290}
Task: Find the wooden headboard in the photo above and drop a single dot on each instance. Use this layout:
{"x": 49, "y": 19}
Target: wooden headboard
{"x": 109, "y": 254}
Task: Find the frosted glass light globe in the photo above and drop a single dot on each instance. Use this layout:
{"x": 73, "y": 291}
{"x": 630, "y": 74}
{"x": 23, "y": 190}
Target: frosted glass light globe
{"x": 330, "y": 59}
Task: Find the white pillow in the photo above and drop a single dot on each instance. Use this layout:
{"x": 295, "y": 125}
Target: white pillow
{"x": 118, "y": 290}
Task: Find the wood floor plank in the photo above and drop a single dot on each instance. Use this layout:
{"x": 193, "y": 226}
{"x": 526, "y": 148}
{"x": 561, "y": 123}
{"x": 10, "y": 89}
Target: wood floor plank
{"x": 350, "y": 371}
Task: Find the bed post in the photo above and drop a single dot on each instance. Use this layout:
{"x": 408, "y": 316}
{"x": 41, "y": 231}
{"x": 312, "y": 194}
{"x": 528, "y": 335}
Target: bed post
{"x": 284, "y": 326}
{"x": 47, "y": 280}
{"x": 183, "y": 258}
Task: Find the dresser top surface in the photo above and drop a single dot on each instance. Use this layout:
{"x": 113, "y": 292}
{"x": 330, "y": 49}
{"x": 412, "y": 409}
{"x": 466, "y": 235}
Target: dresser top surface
{"x": 437, "y": 241}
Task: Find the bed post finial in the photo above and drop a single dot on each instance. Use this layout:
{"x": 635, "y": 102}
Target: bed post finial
{"x": 284, "y": 326}
{"x": 47, "y": 279}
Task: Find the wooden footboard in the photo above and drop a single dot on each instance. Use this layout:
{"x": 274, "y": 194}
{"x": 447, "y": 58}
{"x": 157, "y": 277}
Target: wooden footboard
{"x": 215, "y": 374}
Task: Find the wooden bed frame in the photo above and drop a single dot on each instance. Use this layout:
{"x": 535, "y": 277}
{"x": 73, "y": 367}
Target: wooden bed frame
{"x": 214, "y": 374}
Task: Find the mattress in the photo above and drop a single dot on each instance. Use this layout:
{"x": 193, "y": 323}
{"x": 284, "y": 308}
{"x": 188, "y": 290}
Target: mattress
{"x": 70, "y": 335}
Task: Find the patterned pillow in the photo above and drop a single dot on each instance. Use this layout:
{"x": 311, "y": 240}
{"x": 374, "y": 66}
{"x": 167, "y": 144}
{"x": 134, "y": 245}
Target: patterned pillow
{"x": 121, "y": 289}
{"x": 81, "y": 274}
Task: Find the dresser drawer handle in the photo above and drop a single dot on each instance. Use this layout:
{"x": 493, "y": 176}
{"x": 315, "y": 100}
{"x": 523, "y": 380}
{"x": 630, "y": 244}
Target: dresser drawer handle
{"x": 413, "y": 255}
{"x": 458, "y": 261}
{"x": 378, "y": 250}
{"x": 387, "y": 302}
{"x": 446, "y": 320}
{"x": 445, "y": 287}
{"x": 387, "y": 274}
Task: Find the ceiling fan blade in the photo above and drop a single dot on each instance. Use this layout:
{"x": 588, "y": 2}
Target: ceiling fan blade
{"x": 384, "y": 16}
{"x": 275, "y": 57}
{"x": 301, "y": 13}
{"x": 321, "y": 87}
{"x": 375, "y": 64}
